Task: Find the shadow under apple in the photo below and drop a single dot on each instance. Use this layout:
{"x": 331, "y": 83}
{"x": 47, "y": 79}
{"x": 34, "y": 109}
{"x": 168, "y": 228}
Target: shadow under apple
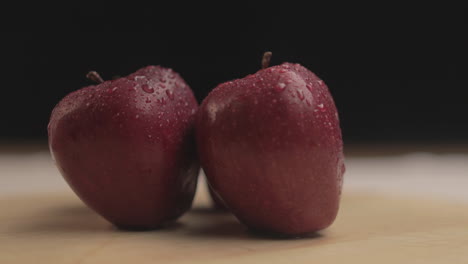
{"x": 200, "y": 222}
{"x": 206, "y": 222}
{"x": 65, "y": 218}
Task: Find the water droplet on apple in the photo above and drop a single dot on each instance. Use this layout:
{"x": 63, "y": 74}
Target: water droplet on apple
{"x": 274, "y": 101}
{"x": 309, "y": 86}
{"x": 162, "y": 80}
{"x": 146, "y": 88}
{"x": 162, "y": 86}
{"x": 282, "y": 71}
{"x": 308, "y": 102}
{"x": 150, "y": 136}
{"x": 137, "y": 116}
{"x": 171, "y": 76}
{"x": 148, "y": 100}
{"x": 320, "y": 82}
{"x": 170, "y": 94}
{"x": 320, "y": 105}
{"x": 280, "y": 87}
{"x": 300, "y": 95}
{"x": 87, "y": 104}
{"x": 139, "y": 78}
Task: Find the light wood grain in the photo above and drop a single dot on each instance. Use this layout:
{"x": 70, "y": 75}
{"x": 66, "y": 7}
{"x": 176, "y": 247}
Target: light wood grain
{"x": 58, "y": 228}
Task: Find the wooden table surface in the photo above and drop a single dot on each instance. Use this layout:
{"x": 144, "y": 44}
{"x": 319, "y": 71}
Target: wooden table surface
{"x": 402, "y": 207}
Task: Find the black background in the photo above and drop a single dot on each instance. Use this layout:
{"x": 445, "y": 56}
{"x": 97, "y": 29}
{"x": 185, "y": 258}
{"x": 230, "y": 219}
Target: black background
{"x": 398, "y": 73}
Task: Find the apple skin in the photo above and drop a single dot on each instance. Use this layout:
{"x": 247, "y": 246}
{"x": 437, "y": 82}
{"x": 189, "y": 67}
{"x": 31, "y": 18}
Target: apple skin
{"x": 271, "y": 147}
{"x": 127, "y": 149}
{"x": 218, "y": 204}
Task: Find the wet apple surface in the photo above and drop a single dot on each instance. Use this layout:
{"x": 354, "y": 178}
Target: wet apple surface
{"x": 126, "y": 147}
{"x": 271, "y": 148}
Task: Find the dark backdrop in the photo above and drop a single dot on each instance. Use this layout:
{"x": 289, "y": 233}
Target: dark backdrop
{"x": 397, "y": 73}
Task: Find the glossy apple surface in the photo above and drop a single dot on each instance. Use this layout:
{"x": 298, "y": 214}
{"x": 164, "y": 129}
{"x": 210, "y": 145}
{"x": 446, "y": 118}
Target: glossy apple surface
{"x": 126, "y": 147}
{"x": 271, "y": 148}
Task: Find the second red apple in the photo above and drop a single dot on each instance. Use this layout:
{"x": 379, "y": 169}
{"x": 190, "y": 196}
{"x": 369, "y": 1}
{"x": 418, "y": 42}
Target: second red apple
{"x": 270, "y": 145}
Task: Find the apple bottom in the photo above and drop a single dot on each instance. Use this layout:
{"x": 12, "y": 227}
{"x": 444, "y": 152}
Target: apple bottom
{"x": 132, "y": 190}
{"x": 141, "y": 210}
{"x": 288, "y": 200}
{"x": 293, "y": 226}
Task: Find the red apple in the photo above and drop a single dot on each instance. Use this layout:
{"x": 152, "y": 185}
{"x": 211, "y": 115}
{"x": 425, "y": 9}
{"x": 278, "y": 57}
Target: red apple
{"x": 270, "y": 145}
{"x": 218, "y": 204}
{"x": 126, "y": 147}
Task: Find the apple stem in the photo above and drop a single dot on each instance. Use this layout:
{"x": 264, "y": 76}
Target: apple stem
{"x": 266, "y": 59}
{"x": 95, "y": 77}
